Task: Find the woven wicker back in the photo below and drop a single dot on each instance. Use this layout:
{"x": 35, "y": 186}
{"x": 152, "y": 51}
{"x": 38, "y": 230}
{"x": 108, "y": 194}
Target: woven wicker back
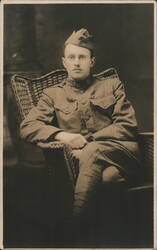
{"x": 146, "y": 143}
{"x": 27, "y": 92}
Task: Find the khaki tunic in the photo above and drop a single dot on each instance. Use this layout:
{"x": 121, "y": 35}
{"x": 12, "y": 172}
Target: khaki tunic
{"x": 97, "y": 107}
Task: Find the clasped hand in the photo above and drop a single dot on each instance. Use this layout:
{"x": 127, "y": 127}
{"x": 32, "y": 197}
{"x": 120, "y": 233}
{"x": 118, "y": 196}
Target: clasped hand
{"x": 76, "y": 141}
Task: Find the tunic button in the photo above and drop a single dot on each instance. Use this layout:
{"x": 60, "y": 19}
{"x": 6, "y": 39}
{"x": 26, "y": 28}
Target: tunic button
{"x": 84, "y": 102}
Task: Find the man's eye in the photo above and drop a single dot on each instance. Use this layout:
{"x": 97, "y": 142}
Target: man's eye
{"x": 71, "y": 57}
{"x": 83, "y": 57}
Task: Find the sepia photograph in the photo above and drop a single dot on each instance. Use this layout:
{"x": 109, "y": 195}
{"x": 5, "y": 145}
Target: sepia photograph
{"x": 78, "y": 124}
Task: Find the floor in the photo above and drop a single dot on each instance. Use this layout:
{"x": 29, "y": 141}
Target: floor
{"x": 30, "y": 214}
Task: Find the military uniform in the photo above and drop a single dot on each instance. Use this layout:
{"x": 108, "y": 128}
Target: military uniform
{"x": 99, "y": 110}
{"x": 95, "y": 108}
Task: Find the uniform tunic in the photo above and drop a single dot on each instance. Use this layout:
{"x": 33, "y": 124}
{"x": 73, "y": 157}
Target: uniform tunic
{"x": 98, "y": 109}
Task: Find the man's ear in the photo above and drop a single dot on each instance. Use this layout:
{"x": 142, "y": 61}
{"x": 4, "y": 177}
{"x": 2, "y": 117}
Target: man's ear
{"x": 63, "y": 61}
{"x": 92, "y": 61}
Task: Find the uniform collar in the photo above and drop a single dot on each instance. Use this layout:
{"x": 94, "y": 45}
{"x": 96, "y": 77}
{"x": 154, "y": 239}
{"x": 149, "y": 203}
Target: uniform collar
{"x": 82, "y": 85}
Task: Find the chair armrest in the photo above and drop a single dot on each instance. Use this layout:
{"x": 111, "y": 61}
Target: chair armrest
{"x": 146, "y": 134}
{"x": 50, "y": 145}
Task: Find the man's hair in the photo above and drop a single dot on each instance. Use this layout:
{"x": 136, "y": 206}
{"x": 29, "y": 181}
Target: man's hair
{"x": 64, "y": 46}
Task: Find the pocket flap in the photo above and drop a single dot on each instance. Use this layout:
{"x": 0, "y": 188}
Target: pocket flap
{"x": 66, "y": 108}
{"x": 105, "y": 103}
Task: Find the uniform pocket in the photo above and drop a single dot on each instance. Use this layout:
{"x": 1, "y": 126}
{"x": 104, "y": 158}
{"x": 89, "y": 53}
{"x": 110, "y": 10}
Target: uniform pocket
{"x": 104, "y": 103}
{"x": 66, "y": 109}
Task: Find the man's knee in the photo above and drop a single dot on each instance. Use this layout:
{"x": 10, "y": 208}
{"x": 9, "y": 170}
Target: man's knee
{"x": 89, "y": 153}
{"x": 112, "y": 175}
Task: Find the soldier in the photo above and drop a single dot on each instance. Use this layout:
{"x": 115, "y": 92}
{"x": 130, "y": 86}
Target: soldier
{"x": 94, "y": 118}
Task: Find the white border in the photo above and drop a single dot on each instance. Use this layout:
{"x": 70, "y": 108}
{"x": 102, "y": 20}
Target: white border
{"x": 5, "y": 2}
{"x": 155, "y": 127}
{"x": 1, "y": 130}
{"x": 76, "y": 1}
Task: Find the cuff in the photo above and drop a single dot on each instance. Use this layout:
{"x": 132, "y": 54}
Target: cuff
{"x": 52, "y": 137}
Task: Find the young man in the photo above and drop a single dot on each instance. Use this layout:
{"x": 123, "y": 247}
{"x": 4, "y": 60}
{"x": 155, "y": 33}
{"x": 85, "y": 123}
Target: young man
{"x": 94, "y": 118}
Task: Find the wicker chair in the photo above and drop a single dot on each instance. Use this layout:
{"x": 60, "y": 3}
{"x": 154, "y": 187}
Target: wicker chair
{"x": 27, "y": 93}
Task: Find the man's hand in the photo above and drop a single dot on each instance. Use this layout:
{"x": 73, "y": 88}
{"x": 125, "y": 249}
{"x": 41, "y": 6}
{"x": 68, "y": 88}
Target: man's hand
{"x": 76, "y": 141}
{"x": 77, "y": 153}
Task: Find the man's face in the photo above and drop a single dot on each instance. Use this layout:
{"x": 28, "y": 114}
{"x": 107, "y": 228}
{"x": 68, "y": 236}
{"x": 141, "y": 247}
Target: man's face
{"x": 77, "y": 61}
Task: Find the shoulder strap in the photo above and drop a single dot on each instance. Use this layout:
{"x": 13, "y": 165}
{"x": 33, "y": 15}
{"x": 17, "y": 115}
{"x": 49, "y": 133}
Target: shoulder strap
{"x": 108, "y": 73}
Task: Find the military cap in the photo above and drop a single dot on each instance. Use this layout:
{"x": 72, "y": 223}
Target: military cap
{"x": 81, "y": 38}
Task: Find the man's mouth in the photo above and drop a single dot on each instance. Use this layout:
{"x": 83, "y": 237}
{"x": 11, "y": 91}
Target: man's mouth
{"x": 77, "y": 70}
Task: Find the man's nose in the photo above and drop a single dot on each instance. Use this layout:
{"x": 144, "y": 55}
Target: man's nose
{"x": 77, "y": 61}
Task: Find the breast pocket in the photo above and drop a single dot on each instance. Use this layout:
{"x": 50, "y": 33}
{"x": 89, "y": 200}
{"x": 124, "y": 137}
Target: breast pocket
{"x": 65, "y": 108}
{"x": 105, "y": 104}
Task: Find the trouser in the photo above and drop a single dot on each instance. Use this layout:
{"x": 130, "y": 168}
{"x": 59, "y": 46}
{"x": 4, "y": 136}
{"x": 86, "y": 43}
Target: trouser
{"x": 104, "y": 168}
{"x": 99, "y": 162}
